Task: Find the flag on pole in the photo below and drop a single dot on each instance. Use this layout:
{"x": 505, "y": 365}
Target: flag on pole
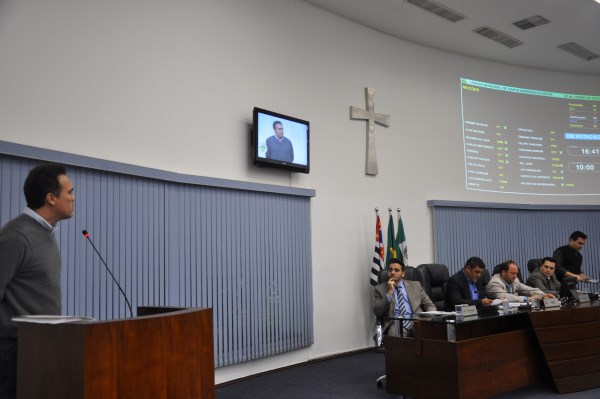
{"x": 392, "y": 247}
{"x": 401, "y": 240}
{"x": 378, "y": 255}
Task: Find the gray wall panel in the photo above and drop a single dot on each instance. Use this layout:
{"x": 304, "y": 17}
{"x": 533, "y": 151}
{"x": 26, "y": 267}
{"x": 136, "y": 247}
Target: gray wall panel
{"x": 244, "y": 253}
{"x": 500, "y": 233}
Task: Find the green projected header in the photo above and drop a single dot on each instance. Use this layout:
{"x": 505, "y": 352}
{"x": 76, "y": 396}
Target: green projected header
{"x": 520, "y": 90}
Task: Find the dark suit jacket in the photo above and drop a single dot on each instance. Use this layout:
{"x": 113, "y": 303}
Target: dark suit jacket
{"x": 458, "y": 292}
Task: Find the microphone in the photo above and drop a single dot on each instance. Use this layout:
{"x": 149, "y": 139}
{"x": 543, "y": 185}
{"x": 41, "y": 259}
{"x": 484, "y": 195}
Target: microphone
{"x": 87, "y": 236}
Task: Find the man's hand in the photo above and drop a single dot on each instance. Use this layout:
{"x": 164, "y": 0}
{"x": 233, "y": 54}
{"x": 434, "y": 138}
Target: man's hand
{"x": 391, "y": 285}
{"x": 486, "y": 301}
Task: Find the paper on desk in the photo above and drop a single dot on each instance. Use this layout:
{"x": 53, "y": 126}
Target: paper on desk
{"x": 496, "y": 302}
{"x": 436, "y": 313}
{"x": 51, "y": 319}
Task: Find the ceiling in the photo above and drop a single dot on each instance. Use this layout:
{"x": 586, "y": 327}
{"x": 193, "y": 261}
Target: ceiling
{"x": 575, "y": 21}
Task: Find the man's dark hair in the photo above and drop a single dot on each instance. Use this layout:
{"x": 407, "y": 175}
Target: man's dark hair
{"x": 504, "y": 265}
{"x": 548, "y": 259}
{"x": 277, "y": 123}
{"x": 41, "y": 180}
{"x": 577, "y": 235}
{"x": 398, "y": 261}
{"x": 474, "y": 262}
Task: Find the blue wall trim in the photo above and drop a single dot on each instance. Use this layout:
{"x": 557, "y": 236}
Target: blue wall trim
{"x": 42, "y": 154}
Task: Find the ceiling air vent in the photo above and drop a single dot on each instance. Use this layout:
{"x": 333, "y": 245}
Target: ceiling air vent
{"x": 438, "y": 9}
{"x": 578, "y": 51}
{"x": 531, "y": 22}
{"x": 498, "y": 36}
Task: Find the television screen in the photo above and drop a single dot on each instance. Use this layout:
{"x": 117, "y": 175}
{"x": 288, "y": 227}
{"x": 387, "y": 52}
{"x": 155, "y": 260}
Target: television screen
{"x": 280, "y": 141}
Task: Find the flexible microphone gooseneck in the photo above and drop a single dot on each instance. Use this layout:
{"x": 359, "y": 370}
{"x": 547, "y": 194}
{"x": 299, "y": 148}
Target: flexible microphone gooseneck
{"x": 87, "y": 236}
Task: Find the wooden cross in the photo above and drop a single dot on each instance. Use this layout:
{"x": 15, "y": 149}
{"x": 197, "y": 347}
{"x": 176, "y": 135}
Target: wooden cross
{"x": 372, "y": 118}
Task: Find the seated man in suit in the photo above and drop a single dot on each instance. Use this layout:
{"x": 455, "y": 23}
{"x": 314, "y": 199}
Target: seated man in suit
{"x": 506, "y": 285}
{"x": 466, "y": 288}
{"x": 397, "y": 298}
{"x": 544, "y": 277}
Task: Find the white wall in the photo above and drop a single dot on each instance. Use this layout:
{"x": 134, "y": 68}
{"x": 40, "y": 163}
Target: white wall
{"x": 171, "y": 85}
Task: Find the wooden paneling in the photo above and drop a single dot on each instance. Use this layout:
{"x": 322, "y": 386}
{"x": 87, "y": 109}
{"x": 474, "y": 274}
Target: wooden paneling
{"x": 466, "y": 369}
{"x": 163, "y": 356}
{"x": 498, "y": 354}
{"x": 570, "y": 341}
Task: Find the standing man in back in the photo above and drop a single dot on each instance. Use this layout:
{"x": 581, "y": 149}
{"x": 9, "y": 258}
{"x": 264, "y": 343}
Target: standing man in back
{"x": 30, "y": 261}
{"x": 569, "y": 259}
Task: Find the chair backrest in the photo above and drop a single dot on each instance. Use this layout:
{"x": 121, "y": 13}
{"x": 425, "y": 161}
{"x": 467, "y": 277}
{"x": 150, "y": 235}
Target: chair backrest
{"x": 435, "y": 276}
{"x": 533, "y": 264}
{"x": 383, "y": 276}
{"x": 485, "y": 277}
{"x": 413, "y": 274}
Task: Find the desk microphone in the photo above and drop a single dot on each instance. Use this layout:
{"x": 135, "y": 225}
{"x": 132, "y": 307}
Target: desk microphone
{"x": 87, "y": 235}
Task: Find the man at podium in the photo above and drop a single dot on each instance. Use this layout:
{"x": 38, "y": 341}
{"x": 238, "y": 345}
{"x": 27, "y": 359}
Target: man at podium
{"x": 30, "y": 261}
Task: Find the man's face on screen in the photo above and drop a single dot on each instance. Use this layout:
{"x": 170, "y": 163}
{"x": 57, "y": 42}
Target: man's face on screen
{"x": 278, "y": 130}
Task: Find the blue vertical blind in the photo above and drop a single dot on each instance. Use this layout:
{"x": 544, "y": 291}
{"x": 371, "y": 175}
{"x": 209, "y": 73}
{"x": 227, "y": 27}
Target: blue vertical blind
{"x": 499, "y": 232}
{"x": 244, "y": 253}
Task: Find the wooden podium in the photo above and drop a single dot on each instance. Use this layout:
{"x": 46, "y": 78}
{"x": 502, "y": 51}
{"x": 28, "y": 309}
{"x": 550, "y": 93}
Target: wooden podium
{"x": 162, "y": 353}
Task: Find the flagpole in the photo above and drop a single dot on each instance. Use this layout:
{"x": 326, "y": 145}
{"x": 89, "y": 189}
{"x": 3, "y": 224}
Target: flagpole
{"x": 401, "y": 238}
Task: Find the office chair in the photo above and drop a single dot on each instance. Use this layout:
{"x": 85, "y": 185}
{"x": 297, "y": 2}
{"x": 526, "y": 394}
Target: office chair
{"x": 435, "y": 276}
{"x": 533, "y": 264}
{"x": 485, "y": 277}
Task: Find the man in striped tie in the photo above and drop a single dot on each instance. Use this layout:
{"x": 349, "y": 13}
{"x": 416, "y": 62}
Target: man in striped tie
{"x": 399, "y": 298}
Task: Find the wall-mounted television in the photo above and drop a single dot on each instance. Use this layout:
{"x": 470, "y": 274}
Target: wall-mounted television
{"x": 280, "y": 141}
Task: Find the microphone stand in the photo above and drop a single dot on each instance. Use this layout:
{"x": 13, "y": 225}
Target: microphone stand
{"x": 87, "y": 236}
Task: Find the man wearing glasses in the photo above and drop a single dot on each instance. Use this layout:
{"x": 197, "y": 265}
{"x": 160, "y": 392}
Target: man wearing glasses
{"x": 544, "y": 277}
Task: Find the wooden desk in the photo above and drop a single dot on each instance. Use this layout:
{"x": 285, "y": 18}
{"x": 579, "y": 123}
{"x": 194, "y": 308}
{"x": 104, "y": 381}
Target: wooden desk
{"x": 499, "y": 354}
{"x": 475, "y": 366}
{"x": 570, "y": 341}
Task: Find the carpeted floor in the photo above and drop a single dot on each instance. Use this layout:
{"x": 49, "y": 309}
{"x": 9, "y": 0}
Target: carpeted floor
{"x": 350, "y": 377}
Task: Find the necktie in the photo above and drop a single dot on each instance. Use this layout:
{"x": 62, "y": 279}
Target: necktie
{"x": 408, "y": 325}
